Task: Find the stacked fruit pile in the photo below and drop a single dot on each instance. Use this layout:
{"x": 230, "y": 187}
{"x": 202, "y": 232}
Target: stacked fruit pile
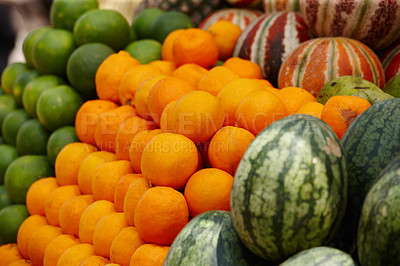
{"x": 156, "y": 142}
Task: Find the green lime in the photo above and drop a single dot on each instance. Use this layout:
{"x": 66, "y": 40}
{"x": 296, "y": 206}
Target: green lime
{"x": 392, "y": 86}
{"x": 132, "y": 35}
{"x": 2, "y": 140}
{"x": 7, "y": 105}
{"x": 52, "y": 50}
{"x": 145, "y": 51}
{"x": 82, "y": 66}
{"x": 34, "y": 88}
{"x": 22, "y": 172}
{"x": 104, "y": 26}
{"x": 30, "y": 39}
{"x": 20, "y": 84}
{"x": 64, "y": 13}
{"x": 11, "y": 218}
{"x": 10, "y": 74}
{"x": 32, "y": 138}
{"x": 1, "y": 91}
{"x": 11, "y": 124}
{"x": 144, "y": 19}
{"x": 58, "y": 139}
{"x": 8, "y": 154}
{"x": 57, "y": 107}
{"x": 4, "y": 199}
{"x": 168, "y": 22}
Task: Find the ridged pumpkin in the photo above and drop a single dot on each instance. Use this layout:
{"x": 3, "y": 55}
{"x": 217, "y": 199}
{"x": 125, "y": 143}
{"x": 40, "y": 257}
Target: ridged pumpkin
{"x": 241, "y": 17}
{"x": 391, "y": 61}
{"x": 280, "y": 5}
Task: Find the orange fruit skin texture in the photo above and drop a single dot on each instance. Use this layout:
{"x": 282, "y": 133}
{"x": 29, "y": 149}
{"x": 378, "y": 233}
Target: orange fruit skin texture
{"x": 149, "y": 254}
{"x": 225, "y": 34}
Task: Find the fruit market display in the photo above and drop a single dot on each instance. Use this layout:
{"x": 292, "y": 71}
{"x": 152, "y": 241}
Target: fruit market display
{"x": 203, "y": 133}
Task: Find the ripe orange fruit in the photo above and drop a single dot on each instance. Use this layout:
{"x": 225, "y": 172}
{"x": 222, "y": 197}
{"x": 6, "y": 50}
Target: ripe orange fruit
{"x": 121, "y": 188}
{"x": 244, "y": 68}
{"x": 312, "y": 108}
{"x": 135, "y": 191}
{"x": 69, "y": 160}
{"x": 166, "y": 124}
{"x": 225, "y": 34}
{"x": 293, "y": 98}
{"x": 149, "y": 254}
{"x": 95, "y": 260}
{"x": 20, "y": 263}
{"x": 110, "y": 73}
{"x": 216, "y": 79}
{"x": 40, "y": 239}
{"x": 160, "y": 215}
{"x": 25, "y": 232}
{"x": 9, "y": 253}
{"x": 227, "y": 148}
{"x": 57, "y": 247}
{"x": 76, "y": 254}
{"x": 166, "y": 49}
{"x": 124, "y": 245}
{"x": 208, "y": 189}
{"x": 169, "y": 160}
{"x": 37, "y": 194}
{"x": 196, "y": 46}
{"x": 192, "y": 73}
{"x": 166, "y": 67}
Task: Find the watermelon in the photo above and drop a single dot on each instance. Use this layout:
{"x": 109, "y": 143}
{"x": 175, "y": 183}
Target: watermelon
{"x": 375, "y": 23}
{"x": 210, "y": 239}
{"x": 320, "y": 256}
{"x": 241, "y": 17}
{"x": 378, "y": 231}
{"x": 371, "y": 142}
{"x": 290, "y": 188}
{"x": 280, "y": 5}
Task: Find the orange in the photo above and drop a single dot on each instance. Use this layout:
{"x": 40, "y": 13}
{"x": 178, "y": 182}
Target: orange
{"x": 106, "y": 178}
{"x": 95, "y": 261}
{"x": 271, "y": 89}
{"x": 225, "y": 34}
{"x": 197, "y": 115}
{"x": 149, "y": 254}
{"x": 105, "y": 231}
{"x": 57, "y": 247}
{"x": 208, "y": 189}
{"x": 110, "y": 73}
{"x": 87, "y": 117}
{"x": 293, "y": 98}
{"x": 192, "y": 73}
{"x": 312, "y": 108}
{"x": 141, "y": 96}
{"x": 124, "y": 245}
{"x": 20, "y": 263}
{"x": 76, "y": 254}
{"x": 132, "y": 79}
{"x": 258, "y": 110}
{"x": 137, "y": 146}
{"x": 165, "y": 91}
{"x": 166, "y": 118}
{"x": 135, "y": 191}
{"x": 169, "y": 160}
{"x": 88, "y": 167}
{"x": 216, "y": 79}
{"x": 71, "y": 211}
{"x": 127, "y": 132}
{"x": 233, "y": 94}
{"x": 108, "y": 125}
{"x": 37, "y": 194}
{"x": 40, "y": 239}
{"x": 56, "y": 199}
{"x": 69, "y": 160}
{"x": 167, "y": 67}
{"x": 90, "y": 218}
{"x": 166, "y": 49}
{"x": 196, "y": 46}
{"x": 121, "y": 188}
{"x": 227, "y": 148}
{"x": 25, "y": 232}
{"x": 160, "y": 215}
{"x": 9, "y": 253}
{"x": 244, "y": 68}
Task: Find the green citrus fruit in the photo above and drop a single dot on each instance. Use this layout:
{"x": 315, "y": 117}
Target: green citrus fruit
{"x": 1, "y": 91}
{"x": 22, "y": 172}
{"x": 11, "y": 124}
{"x": 57, "y": 107}
{"x": 58, "y": 139}
{"x": 20, "y": 84}
{"x": 10, "y": 74}
{"x": 168, "y": 22}
{"x": 30, "y": 39}
{"x": 52, "y": 50}
{"x": 8, "y": 154}
{"x": 4, "y": 199}
{"x": 11, "y": 218}
{"x": 145, "y": 51}
{"x": 34, "y": 88}
{"x": 7, "y": 105}
{"x": 82, "y": 66}
{"x": 64, "y": 13}
{"x": 143, "y": 21}
{"x": 103, "y": 26}
{"x": 32, "y": 138}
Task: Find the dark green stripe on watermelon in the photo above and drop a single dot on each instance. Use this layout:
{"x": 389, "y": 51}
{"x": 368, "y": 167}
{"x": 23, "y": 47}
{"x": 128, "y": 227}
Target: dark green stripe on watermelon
{"x": 209, "y": 239}
{"x": 378, "y": 240}
{"x": 320, "y": 256}
{"x": 290, "y": 189}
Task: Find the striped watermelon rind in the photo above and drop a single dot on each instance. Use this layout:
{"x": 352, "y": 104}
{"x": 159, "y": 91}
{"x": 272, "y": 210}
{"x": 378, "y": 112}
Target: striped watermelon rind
{"x": 290, "y": 189}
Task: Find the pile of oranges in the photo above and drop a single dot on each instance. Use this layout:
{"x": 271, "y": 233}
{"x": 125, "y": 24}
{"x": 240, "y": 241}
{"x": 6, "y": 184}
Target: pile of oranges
{"x": 160, "y": 146}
